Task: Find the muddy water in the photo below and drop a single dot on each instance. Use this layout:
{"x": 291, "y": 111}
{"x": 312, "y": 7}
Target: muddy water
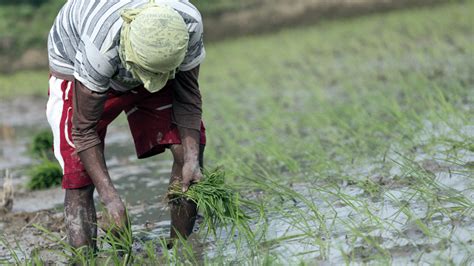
{"x": 389, "y": 234}
{"x": 141, "y": 183}
{"x": 294, "y": 232}
{"x": 361, "y": 227}
{"x": 133, "y": 178}
{"x": 409, "y": 217}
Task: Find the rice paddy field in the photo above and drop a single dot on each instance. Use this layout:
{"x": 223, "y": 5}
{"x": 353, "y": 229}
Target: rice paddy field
{"x": 356, "y": 135}
{"x": 353, "y": 137}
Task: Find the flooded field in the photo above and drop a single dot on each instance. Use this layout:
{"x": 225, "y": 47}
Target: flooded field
{"x": 356, "y": 141}
{"x": 395, "y": 212}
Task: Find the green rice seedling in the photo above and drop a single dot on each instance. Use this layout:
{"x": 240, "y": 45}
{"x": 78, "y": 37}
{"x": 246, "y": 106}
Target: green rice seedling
{"x": 370, "y": 187}
{"x": 116, "y": 242}
{"x": 305, "y": 219}
{"x": 181, "y": 253}
{"x": 150, "y": 251}
{"x": 114, "y": 248}
{"x": 45, "y": 175}
{"x": 120, "y": 242}
{"x": 48, "y": 173}
{"x": 82, "y": 255}
{"x": 334, "y": 111}
{"x": 41, "y": 146}
{"x": 219, "y": 203}
{"x": 11, "y": 250}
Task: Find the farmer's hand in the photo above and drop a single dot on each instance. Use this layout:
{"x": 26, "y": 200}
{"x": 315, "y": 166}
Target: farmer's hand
{"x": 191, "y": 174}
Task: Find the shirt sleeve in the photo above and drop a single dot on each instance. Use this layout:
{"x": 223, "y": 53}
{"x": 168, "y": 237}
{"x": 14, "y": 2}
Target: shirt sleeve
{"x": 88, "y": 108}
{"x": 94, "y": 68}
{"x": 187, "y": 102}
{"x": 196, "y": 52}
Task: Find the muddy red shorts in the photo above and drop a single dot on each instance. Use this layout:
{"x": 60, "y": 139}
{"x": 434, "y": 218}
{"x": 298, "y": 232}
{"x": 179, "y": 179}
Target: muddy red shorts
{"x": 148, "y": 114}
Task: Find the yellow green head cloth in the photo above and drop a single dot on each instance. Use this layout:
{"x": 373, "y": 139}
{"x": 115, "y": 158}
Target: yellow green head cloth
{"x": 153, "y": 43}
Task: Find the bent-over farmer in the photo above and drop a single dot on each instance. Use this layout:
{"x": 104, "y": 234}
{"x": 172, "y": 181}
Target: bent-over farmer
{"x": 138, "y": 57}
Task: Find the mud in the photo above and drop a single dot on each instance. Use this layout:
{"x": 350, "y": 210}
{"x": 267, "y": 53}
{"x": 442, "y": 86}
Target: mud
{"x": 150, "y": 215}
{"x": 143, "y": 185}
{"x": 19, "y": 235}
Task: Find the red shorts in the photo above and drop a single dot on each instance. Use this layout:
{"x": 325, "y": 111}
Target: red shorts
{"x": 148, "y": 114}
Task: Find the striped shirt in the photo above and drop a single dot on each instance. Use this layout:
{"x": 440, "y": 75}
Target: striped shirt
{"x": 83, "y": 42}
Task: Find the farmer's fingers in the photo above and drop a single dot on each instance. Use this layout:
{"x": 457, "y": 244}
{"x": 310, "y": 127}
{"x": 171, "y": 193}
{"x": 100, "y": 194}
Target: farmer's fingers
{"x": 196, "y": 177}
{"x": 186, "y": 183}
{"x": 185, "y": 186}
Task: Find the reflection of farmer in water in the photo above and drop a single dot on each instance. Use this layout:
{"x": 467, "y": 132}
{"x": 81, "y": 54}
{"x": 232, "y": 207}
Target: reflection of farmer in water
{"x": 133, "y": 56}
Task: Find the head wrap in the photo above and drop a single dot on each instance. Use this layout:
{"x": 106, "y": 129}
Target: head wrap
{"x": 153, "y": 43}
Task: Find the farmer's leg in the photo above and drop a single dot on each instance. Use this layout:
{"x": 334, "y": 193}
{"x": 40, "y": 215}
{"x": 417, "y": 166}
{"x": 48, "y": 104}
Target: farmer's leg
{"x": 153, "y": 131}
{"x": 79, "y": 210}
{"x": 183, "y": 212}
{"x": 80, "y": 217}
{"x": 79, "y": 205}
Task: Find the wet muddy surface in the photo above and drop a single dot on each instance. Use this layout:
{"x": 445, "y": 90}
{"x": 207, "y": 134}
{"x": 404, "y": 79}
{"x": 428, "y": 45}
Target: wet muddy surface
{"x": 142, "y": 184}
{"x": 390, "y": 200}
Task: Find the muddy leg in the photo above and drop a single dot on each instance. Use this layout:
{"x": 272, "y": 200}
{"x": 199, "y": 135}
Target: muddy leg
{"x": 80, "y": 217}
{"x": 183, "y": 213}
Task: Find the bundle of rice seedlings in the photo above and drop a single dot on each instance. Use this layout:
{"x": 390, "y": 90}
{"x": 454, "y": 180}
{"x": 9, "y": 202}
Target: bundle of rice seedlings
{"x": 47, "y": 174}
{"x": 219, "y": 204}
{"x": 41, "y": 146}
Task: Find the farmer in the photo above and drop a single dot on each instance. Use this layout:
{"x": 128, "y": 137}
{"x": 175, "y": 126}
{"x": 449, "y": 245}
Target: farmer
{"x": 141, "y": 58}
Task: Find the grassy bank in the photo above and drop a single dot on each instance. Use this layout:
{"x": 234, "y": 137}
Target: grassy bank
{"x": 355, "y": 136}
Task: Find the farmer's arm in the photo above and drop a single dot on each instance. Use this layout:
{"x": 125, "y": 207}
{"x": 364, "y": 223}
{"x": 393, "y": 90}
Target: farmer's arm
{"x": 87, "y": 110}
{"x": 187, "y": 114}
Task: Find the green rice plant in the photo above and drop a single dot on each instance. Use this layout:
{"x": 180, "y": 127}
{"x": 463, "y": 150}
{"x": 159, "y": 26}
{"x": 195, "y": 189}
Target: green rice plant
{"x": 66, "y": 251}
{"x": 219, "y": 203}
{"x": 45, "y": 175}
{"x": 347, "y": 103}
{"x": 11, "y": 250}
{"x": 42, "y": 145}
{"x": 181, "y": 253}
{"x": 120, "y": 241}
{"x": 114, "y": 248}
